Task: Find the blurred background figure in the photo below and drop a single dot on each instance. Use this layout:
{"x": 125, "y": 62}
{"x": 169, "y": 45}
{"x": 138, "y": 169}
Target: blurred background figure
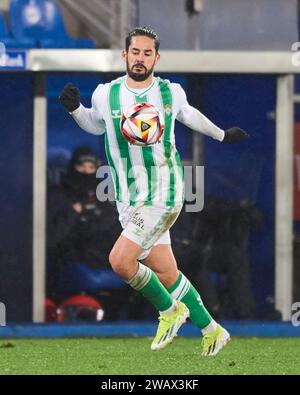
{"x": 81, "y": 230}
{"x": 213, "y": 246}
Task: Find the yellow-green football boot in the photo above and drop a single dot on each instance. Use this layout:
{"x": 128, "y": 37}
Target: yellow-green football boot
{"x": 169, "y": 325}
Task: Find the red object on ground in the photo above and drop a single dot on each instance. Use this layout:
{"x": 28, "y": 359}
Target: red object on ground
{"x": 80, "y": 308}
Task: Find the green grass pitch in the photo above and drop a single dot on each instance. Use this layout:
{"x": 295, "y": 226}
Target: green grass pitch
{"x": 130, "y": 356}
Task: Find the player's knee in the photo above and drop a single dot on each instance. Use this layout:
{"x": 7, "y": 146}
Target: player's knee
{"x": 118, "y": 263}
{"x": 114, "y": 260}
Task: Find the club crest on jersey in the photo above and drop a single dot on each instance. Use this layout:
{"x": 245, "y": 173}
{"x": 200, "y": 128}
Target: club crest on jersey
{"x": 116, "y": 113}
{"x": 168, "y": 109}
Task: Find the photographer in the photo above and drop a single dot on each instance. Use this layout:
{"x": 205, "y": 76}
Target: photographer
{"x": 80, "y": 229}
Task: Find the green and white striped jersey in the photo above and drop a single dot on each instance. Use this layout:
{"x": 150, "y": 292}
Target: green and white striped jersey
{"x": 151, "y": 175}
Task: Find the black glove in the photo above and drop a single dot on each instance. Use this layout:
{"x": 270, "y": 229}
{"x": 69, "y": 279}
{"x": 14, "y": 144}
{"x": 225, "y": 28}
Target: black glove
{"x": 70, "y": 97}
{"x": 234, "y": 135}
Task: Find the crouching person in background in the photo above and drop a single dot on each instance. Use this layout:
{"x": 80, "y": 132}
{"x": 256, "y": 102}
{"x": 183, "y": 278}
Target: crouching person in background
{"x": 80, "y": 229}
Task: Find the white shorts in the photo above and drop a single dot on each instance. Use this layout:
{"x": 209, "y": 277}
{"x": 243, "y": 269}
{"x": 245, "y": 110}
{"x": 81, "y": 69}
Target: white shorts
{"x": 147, "y": 226}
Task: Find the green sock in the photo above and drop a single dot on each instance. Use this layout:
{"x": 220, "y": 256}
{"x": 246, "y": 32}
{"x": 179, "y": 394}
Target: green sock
{"x": 184, "y": 291}
{"x": 147, "y": 283}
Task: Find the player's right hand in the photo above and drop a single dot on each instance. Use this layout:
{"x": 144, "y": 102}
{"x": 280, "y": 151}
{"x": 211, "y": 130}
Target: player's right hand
{"x": 70, "y": 97}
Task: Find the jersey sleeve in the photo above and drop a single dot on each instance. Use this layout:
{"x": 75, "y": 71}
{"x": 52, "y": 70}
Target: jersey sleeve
{"x": 193, "y": 118}
{"x": 91, "y": 119}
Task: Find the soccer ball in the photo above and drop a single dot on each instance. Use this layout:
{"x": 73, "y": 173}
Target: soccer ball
{"x": 142, "y": 124}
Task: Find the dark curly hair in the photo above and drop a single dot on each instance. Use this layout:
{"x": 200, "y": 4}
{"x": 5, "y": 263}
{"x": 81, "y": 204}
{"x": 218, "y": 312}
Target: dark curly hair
{"x": 142, "y": 31}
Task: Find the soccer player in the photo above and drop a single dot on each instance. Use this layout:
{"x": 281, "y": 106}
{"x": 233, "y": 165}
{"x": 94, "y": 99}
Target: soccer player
{"x": 149, "y": 201}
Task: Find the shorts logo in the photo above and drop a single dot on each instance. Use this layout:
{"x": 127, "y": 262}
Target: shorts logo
{"x": 138, "y": 221}
{"x": 137, "y": 232}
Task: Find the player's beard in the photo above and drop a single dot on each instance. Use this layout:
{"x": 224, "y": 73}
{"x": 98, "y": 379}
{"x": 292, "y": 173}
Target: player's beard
{"x": 139, "y": 76}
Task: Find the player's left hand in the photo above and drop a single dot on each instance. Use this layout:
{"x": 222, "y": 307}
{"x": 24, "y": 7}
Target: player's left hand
{"x": 235, "y": 135}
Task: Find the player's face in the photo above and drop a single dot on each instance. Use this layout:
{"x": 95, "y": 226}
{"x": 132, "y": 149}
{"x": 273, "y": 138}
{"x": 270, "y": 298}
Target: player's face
{"x": 140, "y": 58}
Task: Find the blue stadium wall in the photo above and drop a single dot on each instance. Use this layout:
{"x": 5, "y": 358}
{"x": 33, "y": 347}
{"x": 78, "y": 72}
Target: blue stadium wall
{"x": 16, "y": 161}
{"x": 227, "y": 100}
{"x": 246, "y": 169}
